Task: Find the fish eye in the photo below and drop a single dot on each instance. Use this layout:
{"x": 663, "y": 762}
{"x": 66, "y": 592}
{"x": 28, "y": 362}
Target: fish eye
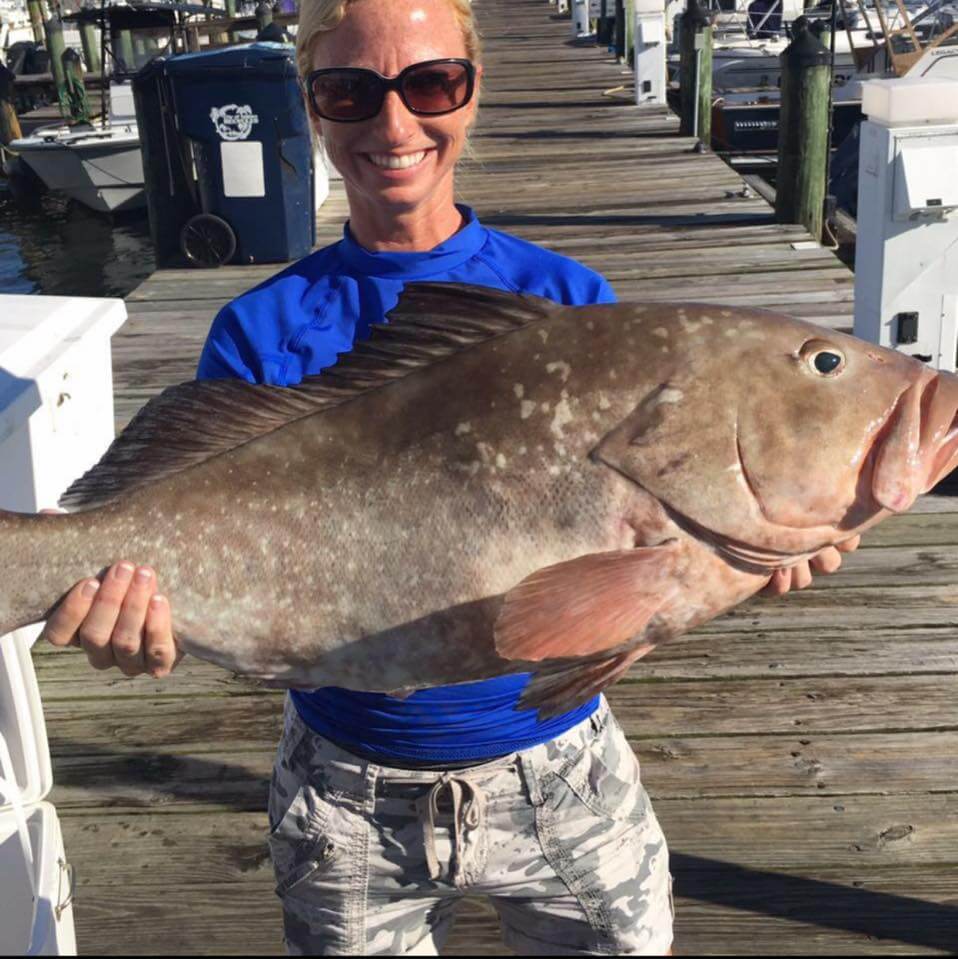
{"x": 823, "y": 358}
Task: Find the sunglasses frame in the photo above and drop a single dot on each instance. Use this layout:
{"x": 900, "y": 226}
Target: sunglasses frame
{"x": 393, "y": 83}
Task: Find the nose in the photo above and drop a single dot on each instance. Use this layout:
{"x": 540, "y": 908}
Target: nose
{"x": 395, "y": 123}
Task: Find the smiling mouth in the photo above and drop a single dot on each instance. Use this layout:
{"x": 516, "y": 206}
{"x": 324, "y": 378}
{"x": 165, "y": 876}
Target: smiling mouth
{"x": 392, "y": 161}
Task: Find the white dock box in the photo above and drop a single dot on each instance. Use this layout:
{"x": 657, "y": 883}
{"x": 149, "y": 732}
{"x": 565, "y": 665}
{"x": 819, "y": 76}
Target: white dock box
{"x": 36, "y": 888}
{"x": 56, "y": 421}
{"x": 56, "y": 393}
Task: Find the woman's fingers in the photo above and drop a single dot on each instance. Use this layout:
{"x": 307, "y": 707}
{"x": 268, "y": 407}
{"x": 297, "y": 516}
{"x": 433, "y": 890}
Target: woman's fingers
{"x": 127, "y": 636}
{"x": 62, "y": 624}
{"x": 96, "y": 631}
{"x": 827, "y": 561}
{"x": 849, "y": 545}
{"x": 160, "y": 652}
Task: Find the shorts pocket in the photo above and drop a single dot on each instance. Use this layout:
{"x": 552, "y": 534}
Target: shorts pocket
{"x": 605, "y": 778}
{"x": 299, "y": 844}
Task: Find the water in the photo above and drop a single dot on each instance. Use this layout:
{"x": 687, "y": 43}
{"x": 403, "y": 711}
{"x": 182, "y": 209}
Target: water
{"x": 58, "y": 247}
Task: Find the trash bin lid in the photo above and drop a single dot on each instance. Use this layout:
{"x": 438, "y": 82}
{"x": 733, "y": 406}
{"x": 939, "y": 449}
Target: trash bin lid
{"x": 261, "y": 59}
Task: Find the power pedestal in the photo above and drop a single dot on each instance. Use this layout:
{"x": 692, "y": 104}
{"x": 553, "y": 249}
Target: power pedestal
{"x": 906, "y": 257}
{"x": 650, "y": 50}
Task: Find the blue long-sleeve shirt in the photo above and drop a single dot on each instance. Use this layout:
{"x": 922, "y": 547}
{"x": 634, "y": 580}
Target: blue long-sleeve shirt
{"x": 294, "y": 325}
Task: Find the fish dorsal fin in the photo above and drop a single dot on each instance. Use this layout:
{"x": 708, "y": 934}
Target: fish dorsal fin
{"x": 188, "y": 424}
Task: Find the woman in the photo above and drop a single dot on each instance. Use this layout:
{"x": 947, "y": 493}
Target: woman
{"x": 384, "y": 811}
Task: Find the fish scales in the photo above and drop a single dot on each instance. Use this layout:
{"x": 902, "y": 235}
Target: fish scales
{"x": 546, "y": 488}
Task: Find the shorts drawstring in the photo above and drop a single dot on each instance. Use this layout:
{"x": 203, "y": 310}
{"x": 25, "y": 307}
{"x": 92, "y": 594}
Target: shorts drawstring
{"x": 468, "y": 809}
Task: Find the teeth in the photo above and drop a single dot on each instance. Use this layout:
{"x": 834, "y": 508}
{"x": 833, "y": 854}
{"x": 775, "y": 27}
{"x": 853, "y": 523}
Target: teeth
{"x": 397, "y": 163}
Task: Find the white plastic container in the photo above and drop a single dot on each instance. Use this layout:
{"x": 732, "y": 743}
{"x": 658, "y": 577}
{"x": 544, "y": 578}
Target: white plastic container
{"x": 36, "y": 914}
{"x": 56, "y": 393}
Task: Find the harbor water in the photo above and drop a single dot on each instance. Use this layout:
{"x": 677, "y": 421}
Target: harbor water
{"x": 56, "y": 247}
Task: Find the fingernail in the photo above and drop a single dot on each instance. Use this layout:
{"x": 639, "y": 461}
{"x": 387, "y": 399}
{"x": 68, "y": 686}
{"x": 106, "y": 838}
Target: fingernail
{"x": 157, "y": 601}
{"x": 90, "y": 588}
{"x": 124, "y": 572}
{"x": 143, "y": 574}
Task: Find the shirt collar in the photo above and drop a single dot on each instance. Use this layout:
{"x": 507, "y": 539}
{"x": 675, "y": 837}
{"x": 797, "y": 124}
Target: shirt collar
{"x": 451, "y": 253}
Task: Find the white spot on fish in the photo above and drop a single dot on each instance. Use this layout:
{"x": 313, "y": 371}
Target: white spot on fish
{"x": 670, "y": 394}
{"x": 544, "y": 407}
{"x": 500, "y": 461}
{"x": 725, "y": 313}
{"x": 519, "y": 390}
{"x": 554, "y": 470}
{"x": 463, "y": 428}
{"x": 604, "y": 403}
{"x": 661, "y": 332}
{"x": 522, "y": 451}
{"x": 543, "y": 335}
{"x": 562, "y": 417}
{"x": 560, "y": 367}
{"x": 527, "y": 409}
{"x": 589, "y": 325}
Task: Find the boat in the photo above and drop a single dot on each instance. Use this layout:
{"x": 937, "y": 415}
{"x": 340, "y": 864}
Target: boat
{"x": 99, "y": 163}
{"x": 918, "y": 42}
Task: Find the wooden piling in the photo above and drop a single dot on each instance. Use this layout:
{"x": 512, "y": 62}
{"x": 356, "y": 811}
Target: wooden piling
{"x": 695, "y": 74}
{"x": 9, "y": 124}
{"x": 803, "y": 130}
{"x": 35, "y": 9}
{"x": 264, "y": 15}
{"x": 53, "y": 28}
{"x": 91, "y": 47}
{"x": 75, "y": 87}
{"x": 619, "y": 29}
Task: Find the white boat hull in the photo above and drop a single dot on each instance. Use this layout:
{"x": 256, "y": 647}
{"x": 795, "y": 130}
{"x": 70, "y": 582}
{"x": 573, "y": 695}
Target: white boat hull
{"x": 103, "y": 172}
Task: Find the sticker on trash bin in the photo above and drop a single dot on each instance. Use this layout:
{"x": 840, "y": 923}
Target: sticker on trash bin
{"x": 243, "y": 173}
{"x": 233, "y": 122}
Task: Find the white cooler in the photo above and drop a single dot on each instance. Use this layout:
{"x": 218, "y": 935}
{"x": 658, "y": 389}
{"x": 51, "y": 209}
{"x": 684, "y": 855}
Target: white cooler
{"x": 36, "y": 883}
{"x": 56, "y": 421}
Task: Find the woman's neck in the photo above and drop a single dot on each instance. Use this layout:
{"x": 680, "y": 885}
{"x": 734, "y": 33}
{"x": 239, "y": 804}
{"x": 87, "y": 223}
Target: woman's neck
{"x": 383, "y": 230}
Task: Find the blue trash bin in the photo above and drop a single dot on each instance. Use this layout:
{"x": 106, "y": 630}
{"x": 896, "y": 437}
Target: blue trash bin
{"x": 241, "y": 113}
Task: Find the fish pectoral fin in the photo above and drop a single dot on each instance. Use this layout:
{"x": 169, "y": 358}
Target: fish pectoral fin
{"x": 586, "y": 605}
{"x": 556, "y": 689}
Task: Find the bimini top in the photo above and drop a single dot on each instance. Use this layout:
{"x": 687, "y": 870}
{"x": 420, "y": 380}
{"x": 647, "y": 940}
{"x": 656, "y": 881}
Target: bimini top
{"x": 134, "y": 14}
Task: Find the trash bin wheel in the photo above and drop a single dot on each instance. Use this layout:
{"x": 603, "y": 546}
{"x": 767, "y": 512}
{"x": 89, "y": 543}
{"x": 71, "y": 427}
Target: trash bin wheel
{"x": 207, "y": 240}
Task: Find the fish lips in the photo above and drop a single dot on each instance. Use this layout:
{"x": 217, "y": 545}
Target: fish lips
{"x": 918, "y": 444}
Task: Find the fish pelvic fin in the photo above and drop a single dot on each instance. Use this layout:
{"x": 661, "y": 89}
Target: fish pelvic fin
{"x": 588, "y": 605}
{"x": 556, "y": 689}
{"x": 191, "y": 423}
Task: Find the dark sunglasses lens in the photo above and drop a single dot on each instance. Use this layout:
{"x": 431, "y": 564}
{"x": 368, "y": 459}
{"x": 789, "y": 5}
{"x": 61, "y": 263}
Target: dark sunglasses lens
{"x": 437, "y": 88}
{"x": 346, "y": 96}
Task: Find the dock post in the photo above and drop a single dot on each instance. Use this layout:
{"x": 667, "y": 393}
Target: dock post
{"x": 231, "y": 13}
{"x": 75, "y": 88}
{"x": 36, "y": 19}
{"x": 55, "y": 46}
{"x": 619, "y": 29}
{"x": 803, "y": 130}
{"x": 9, "y": 124}
{"x": 264, "y": 15}
{"x": 91, "y": 47}
{"x": 695, "y": 74}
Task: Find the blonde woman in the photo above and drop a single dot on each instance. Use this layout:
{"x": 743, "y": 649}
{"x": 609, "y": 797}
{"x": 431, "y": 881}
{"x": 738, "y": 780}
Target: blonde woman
{"x": 384, "y": 812}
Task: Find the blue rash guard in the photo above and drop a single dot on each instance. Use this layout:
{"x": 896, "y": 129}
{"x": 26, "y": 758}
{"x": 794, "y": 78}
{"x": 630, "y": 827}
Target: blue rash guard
{"x": 294, "y": 325}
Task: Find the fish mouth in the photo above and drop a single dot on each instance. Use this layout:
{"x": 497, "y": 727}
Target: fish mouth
{"x": 918, "y": 444}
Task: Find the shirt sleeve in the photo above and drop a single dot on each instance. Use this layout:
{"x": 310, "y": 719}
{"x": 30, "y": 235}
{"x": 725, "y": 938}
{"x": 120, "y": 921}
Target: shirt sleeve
{"x": 223, "y": 353}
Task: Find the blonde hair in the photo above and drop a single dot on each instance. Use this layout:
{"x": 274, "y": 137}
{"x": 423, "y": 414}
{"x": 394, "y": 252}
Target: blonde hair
{"x": 318, "y": 16}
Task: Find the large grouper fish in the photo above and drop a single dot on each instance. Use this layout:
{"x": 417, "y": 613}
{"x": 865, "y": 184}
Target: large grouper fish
{"x": 492, "y": 484}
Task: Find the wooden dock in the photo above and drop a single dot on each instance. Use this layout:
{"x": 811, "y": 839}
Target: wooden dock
{"x": 802, "y": 754}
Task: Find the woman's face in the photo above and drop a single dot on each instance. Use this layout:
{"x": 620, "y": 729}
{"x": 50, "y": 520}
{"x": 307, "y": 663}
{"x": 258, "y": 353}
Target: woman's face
{"x": 387, "y": 36}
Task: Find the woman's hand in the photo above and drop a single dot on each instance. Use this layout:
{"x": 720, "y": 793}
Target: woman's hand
{"x": 800, "y": 575}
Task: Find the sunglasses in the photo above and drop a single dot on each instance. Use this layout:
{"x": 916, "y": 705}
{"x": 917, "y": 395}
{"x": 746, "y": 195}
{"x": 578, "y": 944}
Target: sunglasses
{"x": 427, "y": 89}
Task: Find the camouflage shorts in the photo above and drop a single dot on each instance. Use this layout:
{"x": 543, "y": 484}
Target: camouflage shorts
{"x": 371, "y": 860}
